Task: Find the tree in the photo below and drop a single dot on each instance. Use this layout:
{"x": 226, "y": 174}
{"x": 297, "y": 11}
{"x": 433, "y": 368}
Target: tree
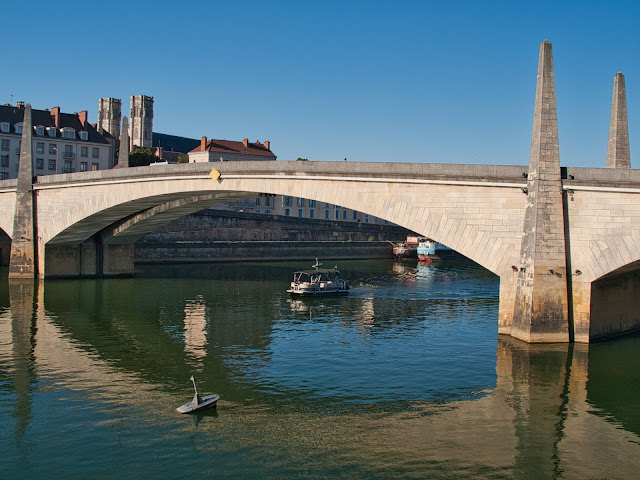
{"x": 302, "y": 159}
{"x": 183, "y": 158}
{"x": 141, "y": 157}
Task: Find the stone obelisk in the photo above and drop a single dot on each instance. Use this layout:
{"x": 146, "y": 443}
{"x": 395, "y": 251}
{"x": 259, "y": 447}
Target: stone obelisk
{"x": 123, "y": 153}
{"x": 618, "y": 153}
{"x": 22, "y": 263}
{"x": 541, "y": 306}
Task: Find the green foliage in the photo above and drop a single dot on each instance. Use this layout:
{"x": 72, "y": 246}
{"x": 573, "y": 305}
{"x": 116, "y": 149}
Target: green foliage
{"x": 302, "y": 159}
{"x": 141, "y": 157}
{"x": 183, "y": 158}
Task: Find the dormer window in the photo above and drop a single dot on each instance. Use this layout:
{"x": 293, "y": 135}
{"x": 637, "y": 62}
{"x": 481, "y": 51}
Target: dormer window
{"x": 19, "y": 128}
{"x": 52, "y": 131}
{"x": 40, "y": 130}
{"x": 4, "y": 127}
{"x": 68, "y": 133}
{"x": 84, "y": 135}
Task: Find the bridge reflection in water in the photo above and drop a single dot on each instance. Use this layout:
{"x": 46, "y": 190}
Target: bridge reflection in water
{"x": 551, "y": 414}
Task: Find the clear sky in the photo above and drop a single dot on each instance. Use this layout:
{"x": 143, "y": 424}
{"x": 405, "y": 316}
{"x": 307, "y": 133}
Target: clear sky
{"x": 401, "y": 81}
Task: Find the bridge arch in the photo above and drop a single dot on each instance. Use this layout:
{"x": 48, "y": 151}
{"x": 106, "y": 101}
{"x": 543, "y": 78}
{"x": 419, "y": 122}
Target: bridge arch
{"x": 480, "y": 220}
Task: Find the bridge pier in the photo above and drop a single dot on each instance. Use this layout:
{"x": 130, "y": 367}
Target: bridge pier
{"x": 541, "y": 311}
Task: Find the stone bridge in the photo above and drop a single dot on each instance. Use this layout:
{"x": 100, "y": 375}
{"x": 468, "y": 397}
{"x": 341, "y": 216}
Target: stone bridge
{"x": 565, "y": 242}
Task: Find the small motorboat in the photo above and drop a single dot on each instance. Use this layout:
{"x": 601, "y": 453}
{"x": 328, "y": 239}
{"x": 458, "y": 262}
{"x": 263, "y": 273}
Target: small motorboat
{"x": 317, "y": 282}
{"x": 199, "y": 402}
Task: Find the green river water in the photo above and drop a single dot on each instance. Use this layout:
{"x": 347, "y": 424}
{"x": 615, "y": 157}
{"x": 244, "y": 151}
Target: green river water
{"x": 406, "y": 377}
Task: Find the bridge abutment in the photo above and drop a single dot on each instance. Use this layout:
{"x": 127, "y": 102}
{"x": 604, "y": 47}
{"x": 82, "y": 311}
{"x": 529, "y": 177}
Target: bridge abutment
{"x": 92, "y": 258}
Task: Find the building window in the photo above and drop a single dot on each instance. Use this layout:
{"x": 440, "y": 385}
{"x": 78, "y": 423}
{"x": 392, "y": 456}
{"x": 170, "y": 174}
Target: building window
{"x": 84, "y": 151}
{"x": 4, "y": 161}
{"x": 39, "y": 147}
{"x": 312, "y": 203}
{"x": 288, "y": 201}
{"x": 84, "y": 135}
{"x": 95, "y": 152}
{"x": 301, "y": 202}
{"x": 366, "y": 218}
{"x": 312, "y": 213}
{"x": 5, "y": 127}
{"x": 267, "y": 201}
{"x": 53, "y": 150}
{"x": 83, "y": 166}
{"x": 18, "y": 127}
{"x": 67, "y": 166}
{"x": 40, "y": 130}
{"x": 68, "y": 151}
{"x": 4, "y": 175}
{"x": 5, "y": 144}
{"x": 95, "y": 166}
{"x": 40, "y": 163}
{"x": 258, "y": 202}
{"x": 327, "y": 205}
{"x": 326, "y": 214}
{"x": 68, "y": 133}
{"x": 52, "y": 164}
{"x": 52, "y": 131}
{"x": 300, "y": 212}
{"x": 355, "y": 215}
{"x": 337, "y": 214}
{"x": 287, "y": 212}
{"x": 344, "y": 214}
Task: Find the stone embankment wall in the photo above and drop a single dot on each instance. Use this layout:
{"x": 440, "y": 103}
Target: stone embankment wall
{"x": 216, "y": 236}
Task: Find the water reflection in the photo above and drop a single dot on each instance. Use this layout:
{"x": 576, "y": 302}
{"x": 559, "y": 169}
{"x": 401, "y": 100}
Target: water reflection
{"x": 195, "y": 332}
{"x": 524, "y": 411}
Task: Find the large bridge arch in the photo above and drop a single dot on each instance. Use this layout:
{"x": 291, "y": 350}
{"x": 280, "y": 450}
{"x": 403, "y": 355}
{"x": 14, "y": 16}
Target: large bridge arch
{"x": 481, "y": 221}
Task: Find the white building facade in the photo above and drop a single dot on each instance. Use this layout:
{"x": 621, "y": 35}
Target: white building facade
{"x": 62, "y": 143}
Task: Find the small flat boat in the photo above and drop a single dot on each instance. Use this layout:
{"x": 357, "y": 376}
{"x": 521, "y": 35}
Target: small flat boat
{"x": 318, "y": 282}
{"x": 199, "y": 402}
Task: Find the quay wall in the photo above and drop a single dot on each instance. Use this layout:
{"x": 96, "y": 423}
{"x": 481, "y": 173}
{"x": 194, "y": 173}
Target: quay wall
{"x": 218, "y": 235}
{"x": 203, "y": 252}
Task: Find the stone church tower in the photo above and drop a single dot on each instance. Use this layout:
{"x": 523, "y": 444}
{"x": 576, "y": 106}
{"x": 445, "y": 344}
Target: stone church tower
{"x": 141, "y": 126}
{"x": 110, "y": 115}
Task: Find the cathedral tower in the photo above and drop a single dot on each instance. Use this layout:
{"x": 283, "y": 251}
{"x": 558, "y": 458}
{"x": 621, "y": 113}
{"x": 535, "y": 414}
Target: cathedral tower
{"x": 141, "y": 115}
{"x": 109, "y": 115}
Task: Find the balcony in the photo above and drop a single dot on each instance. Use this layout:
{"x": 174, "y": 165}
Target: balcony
{"x": 68, "y": 155}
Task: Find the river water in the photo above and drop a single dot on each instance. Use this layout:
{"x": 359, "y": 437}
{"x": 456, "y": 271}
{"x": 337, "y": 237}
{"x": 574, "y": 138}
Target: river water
{"x": 404, "y": 378}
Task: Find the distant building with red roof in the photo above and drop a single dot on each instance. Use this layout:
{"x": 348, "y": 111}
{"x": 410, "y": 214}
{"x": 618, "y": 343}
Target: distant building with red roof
{"x": 229, "y": 150}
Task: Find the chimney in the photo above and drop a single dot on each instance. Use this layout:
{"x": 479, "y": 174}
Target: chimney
{"x": 203, "y": 143}
{"x": 267, "y": 144}
{"x": 55, "y": 113}
{"x": 20, "y": 105}
{"x": 83, "y": 118}
{"x": 245, "y": 142}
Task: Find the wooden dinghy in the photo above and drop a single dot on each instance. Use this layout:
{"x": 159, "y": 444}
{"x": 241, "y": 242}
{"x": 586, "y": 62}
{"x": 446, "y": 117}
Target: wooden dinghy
{"x": 199, "y": 402}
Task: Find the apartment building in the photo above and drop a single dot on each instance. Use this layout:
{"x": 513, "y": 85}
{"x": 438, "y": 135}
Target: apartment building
{"x": 62, "y": 142}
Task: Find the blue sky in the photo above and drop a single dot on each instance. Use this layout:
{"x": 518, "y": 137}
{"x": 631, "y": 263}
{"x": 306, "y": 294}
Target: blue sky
{"x": 401, "y": 81}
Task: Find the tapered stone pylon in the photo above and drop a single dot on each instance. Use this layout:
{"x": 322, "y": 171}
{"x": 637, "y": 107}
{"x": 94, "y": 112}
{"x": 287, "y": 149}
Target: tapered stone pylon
{"x": 618, "y": 153}
{"x": 541, "y": 306}
{"x": 22, "y": 263}
{"x": 123, "y": 154}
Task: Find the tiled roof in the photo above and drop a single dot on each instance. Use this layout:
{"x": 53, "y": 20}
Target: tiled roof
{"x": 230, "y": 146}
{"x": 14, "y": 114}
